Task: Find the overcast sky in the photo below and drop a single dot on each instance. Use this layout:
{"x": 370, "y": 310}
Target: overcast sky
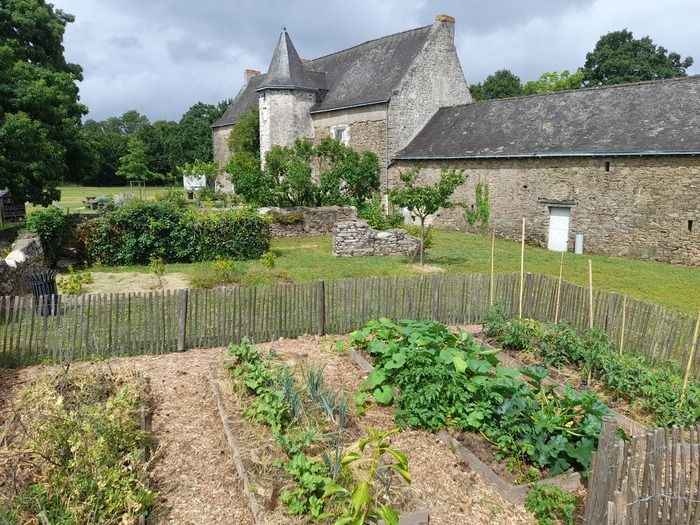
{"x": 161, "y": 56}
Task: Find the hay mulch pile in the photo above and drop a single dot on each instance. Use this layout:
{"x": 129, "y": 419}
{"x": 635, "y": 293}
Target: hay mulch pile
{"x": 133, "y": 282}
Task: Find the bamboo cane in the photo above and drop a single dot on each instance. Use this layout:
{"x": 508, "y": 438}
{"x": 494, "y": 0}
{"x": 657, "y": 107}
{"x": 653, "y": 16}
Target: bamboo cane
{"x": 590, "y": 294}
{"x": 624, "y": 319}
{"x": 522, "y": 273}
{"x": 691, "y": 354}
{"x": 561, "y": 274}
{"x": 590, "y": 314}
{"x": 493, "y": 248}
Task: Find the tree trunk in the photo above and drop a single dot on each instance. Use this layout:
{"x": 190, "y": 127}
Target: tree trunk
{"x": 422, "y": 239}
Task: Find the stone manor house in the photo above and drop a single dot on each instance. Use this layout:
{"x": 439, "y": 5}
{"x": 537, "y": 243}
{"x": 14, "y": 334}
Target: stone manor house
{"x": 618, "y": 164}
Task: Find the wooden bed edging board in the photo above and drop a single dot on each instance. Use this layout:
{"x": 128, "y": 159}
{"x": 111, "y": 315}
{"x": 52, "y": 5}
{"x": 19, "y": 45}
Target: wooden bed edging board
{"x": 513, "y": 493}
{"x": 233, "y": 447}
{"x": 632, "y": 427}
{"x": 420, "y": 517}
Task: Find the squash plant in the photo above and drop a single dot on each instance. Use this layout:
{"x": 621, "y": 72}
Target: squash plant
{"x": 437, "y": 378}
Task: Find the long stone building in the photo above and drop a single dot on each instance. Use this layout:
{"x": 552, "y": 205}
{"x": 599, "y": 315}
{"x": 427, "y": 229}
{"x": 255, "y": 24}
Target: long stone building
{"x": 373, "y": 96}
{"x": 619, "y": 165}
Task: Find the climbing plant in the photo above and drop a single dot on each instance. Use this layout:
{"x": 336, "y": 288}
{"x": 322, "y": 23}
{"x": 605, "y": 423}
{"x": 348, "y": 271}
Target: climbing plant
{"x": 481, "y": 211}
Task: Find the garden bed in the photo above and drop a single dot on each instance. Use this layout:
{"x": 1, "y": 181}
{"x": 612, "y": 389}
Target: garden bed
{"x": 451, "y": 492}
{"x": 481, "y": 456}
{"x": 643, "y": 394}
{"x": 273, "y": 468}
{"x": 625, "y": 416}
{"x": 76, "y": 447}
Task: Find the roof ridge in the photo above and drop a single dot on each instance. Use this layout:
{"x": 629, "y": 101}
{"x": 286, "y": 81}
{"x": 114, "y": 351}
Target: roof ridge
{"x": 584, "y": 89}
{"x": 365, "y": 42}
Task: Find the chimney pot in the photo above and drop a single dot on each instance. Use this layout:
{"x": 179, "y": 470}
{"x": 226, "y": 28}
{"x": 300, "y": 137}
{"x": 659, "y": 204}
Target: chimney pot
{"x": 445, "y": 18}
{"x": 250, "y": 73}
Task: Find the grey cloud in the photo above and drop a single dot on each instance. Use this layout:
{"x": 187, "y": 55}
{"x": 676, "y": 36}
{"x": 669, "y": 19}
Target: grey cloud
{"x": 196, "y": 51}
{"x": 188, "y": 49}
{"x": 125, "y": 42}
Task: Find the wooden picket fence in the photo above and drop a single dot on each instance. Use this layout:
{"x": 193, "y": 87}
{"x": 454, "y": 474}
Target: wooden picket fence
{"x": 104, "y": 325}
{"x": 652, "y": 479}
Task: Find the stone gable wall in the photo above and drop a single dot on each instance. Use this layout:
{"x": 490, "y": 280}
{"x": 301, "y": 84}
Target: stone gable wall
{"x": 15, "y": 280}
{"x": 356, "y": 238}
{"x": 222, "y": 155}
{"x": 434, "y": 80}
{"x": 638, "y": 209}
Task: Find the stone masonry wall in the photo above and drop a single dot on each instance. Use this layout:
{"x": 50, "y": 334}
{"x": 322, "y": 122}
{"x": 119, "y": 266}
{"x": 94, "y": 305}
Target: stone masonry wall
{"x": 315, "y": 221}
{"x": 366, "y": 127}
{"x": 434, "y": 80}
{"x": 222, "y": 155}
{"x": 640, "y": 208}
{"x": 284, "y": 117}
{"x": 14, "y": 278}
{"x": 357, "y": 238}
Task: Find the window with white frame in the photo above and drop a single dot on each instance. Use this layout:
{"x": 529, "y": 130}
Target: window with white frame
{"x": 341, "y": 134}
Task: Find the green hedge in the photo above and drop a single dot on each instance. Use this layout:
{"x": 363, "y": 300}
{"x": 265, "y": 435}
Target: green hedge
{"x": 50, "y": 225}
{"x": 140, "y": 230}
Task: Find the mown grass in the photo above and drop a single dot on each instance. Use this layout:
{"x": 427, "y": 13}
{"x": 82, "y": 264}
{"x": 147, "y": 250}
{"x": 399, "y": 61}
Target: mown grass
{"x": 73, "y": 197}
{"x": 310, "y": 258}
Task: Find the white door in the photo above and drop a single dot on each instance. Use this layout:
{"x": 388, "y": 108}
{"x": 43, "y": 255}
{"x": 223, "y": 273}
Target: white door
{"x": 558, "y": 228}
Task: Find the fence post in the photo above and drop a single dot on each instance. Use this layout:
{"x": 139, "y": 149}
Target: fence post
{"x": 182, "y": 332}
{"x": 436, "y": 298}
{"x": 612, "y": 305}
{"x": 529, "y": 294}
{"x": 321, "y": 308}
{"x": 596, "y": 509}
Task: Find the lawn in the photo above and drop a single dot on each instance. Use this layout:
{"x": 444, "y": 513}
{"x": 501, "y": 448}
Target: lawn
{"x": 309, "y": 258}
{"x": 73, "y": 197}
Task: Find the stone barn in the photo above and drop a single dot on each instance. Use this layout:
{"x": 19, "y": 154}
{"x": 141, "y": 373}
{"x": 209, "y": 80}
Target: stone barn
{"x": 618, "y": 164}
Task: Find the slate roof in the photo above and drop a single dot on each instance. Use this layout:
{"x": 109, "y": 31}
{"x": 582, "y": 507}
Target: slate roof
{"x": 247, "y": 98}
{"x": 368, "y": 73}
{"x": 361, "y": 75}
{"x": 286, "y": 70}
{"x": 646, "y": 118}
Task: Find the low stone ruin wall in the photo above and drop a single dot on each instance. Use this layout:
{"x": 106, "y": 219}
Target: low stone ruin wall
{"x": 26, "y": 258}
{"x": 356, "y": 238}
{"x": 299, "y": 222}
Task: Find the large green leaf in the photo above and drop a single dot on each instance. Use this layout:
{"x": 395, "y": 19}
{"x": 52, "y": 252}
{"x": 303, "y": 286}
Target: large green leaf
{"x": 397, "y": 361}
{"x": 389, "y": 515}
{"x": 383, "y": 395}
{"x": 460, "y": 364}
{"x": 375, "y": 378}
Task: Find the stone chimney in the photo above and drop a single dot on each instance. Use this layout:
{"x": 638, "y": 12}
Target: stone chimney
{"x": 250, "y": 73}
{"x": 449, "y": 21}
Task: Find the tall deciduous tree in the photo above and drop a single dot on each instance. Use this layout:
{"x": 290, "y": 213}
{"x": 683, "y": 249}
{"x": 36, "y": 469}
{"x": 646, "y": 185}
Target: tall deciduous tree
{"x": 245, "y": 135}
{"x": 39, "y": 108}
{"x": 423, "y": 201}
{"x": 501, "y": 84}
{"x": 194, "y": 130}
{"x": 554, "y": 81}
{"x": 134, "y": 165}
{"x": 618, "y": 57}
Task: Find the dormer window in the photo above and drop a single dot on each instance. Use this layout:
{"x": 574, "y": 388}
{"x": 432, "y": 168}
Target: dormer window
{"x": 341, "y": 134}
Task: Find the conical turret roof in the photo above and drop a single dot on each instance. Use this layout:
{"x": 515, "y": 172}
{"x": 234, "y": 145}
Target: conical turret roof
{"x": 286, "y": 70}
